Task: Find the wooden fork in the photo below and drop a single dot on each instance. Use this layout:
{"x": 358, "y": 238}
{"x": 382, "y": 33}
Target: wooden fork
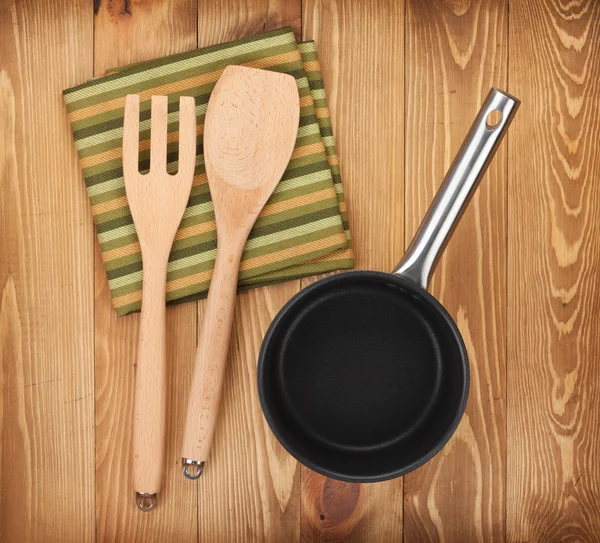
{"x": 157, "y": 201}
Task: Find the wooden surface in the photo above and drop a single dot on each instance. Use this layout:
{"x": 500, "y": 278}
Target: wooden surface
{"x": 46, "y": 280}
{"x": 453, "y": 56}
{"x": 120, "y": 39}
{"x": 521, "y": 277}
{"x": 362, "y": 55}
{"x": 553, "y": 349}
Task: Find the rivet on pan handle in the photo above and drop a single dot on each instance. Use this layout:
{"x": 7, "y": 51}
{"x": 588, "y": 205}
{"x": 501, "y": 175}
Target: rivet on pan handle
{"x": 458, "y": 187}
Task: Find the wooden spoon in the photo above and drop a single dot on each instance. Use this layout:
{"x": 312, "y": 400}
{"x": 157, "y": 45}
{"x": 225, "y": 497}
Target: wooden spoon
{"x": 157, "y": 202}
{"x": 249, "y": 135}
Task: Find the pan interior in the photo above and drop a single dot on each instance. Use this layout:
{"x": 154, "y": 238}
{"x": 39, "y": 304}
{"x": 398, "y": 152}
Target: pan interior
{"x": 362, "y": 368}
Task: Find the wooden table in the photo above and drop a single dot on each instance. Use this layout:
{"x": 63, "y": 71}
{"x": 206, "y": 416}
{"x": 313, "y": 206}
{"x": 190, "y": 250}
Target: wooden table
{"x": 521, "y": 277}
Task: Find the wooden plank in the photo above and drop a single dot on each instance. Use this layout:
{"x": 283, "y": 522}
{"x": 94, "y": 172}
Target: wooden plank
{"x": 455, "y": 52}
{"x": 46, "y": 280}
{"x": 361, "y": 48}
{"x": 226, "y": 20}
{"x": 250, "y": 490}
{"x": 124, "y": 33}
{"x": 553, "y": 485}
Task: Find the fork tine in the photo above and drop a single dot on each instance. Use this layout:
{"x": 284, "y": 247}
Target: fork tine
{"x": 131, "y": 136}
{"x": 187, "y": 137}
{"x": 158, "y": 134}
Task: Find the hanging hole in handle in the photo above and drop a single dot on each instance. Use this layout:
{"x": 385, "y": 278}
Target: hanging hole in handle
{"x": 146, "y": 501}
{"x": 192, "y": 469}
{"x": 493, "y": 119}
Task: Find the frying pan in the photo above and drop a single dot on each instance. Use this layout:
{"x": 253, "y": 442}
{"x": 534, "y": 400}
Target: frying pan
{"x": 363, "y": 376}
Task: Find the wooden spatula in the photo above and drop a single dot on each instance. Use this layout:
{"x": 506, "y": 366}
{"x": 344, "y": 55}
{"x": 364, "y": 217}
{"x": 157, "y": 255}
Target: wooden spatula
{"x": 249, "y": 135}
{"x": 157, "y": 202}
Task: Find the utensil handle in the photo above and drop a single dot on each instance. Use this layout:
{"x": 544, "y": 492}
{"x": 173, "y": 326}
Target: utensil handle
{"x": 150, "y": 400}
{"x": 211, "y": 359}
{"x": 458, "y": 187}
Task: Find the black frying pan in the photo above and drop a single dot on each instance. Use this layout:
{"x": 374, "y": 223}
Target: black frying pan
{"x": 363, "y": 376}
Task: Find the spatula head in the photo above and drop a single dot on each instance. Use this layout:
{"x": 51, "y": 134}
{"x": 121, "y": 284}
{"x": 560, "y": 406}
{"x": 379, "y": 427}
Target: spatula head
{"x": 250, "y": 130}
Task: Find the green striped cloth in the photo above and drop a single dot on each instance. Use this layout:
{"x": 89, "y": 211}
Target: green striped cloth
{"x": 303, "y": 229}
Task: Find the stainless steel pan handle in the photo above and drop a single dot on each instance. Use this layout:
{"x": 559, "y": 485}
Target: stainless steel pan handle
{"x": 458, "y": 187}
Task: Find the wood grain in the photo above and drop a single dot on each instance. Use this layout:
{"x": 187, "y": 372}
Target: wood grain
{"x": 227, "y": 20}
{"x": 250, "y": 489}
{"x": 121, "y": 36}
{"x": 361, "y": 48}
{"x": 553, "y": 491}
{"x": 46, "y": 280}
{"x": 455, "y": 52}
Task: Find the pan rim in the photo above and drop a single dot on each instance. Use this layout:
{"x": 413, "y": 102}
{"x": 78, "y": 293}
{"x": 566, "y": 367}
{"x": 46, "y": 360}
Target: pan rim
{"x": 369, "y": 276}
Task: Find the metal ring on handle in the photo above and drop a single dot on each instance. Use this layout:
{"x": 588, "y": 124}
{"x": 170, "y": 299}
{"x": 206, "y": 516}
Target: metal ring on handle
{"x": 146, "y": 501}
{"x": 186, "y": 463}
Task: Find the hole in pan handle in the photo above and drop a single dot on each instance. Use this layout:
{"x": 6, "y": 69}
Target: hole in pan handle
{"x": 458, "y": 187}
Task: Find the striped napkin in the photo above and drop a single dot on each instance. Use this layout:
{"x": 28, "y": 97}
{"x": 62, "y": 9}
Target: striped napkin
{"x": 303, "y": 229}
